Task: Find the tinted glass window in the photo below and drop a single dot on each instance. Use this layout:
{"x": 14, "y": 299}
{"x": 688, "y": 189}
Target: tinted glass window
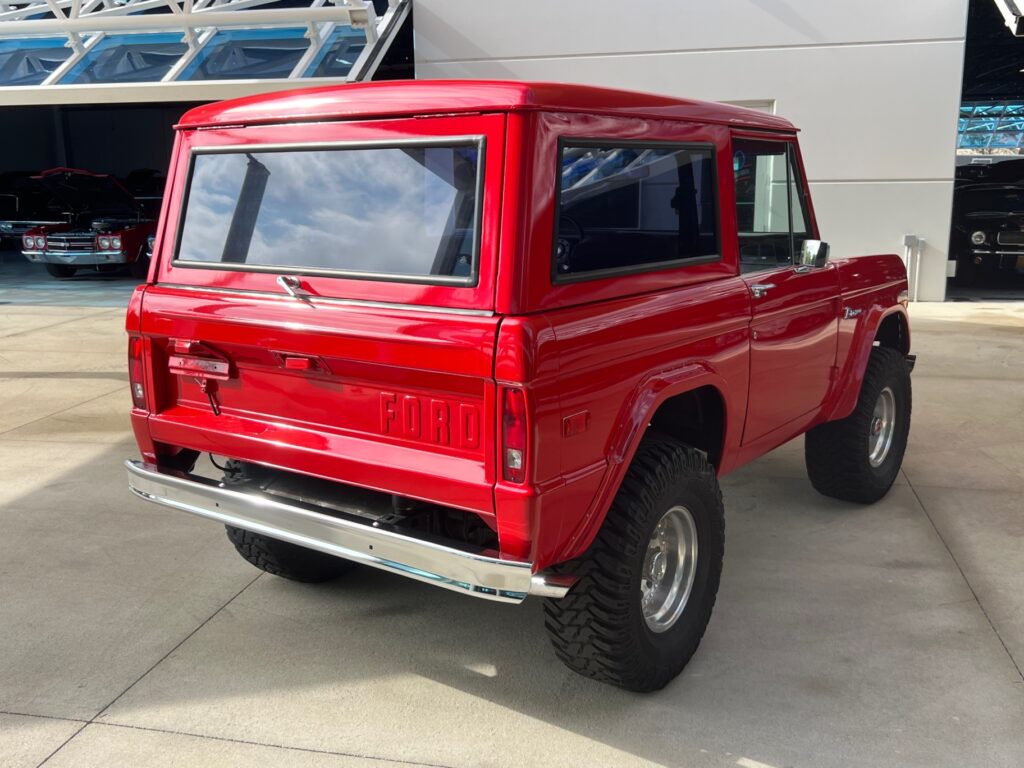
{"x": 634, "y": 207}
{"x": 392, "y": 212}
{"x": 771, "y": 220}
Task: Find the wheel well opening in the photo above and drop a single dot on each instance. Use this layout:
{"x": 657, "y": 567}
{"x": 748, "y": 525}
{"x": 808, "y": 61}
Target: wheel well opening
{"x": 892, "y": 333}
{"x": 696, "y": 418}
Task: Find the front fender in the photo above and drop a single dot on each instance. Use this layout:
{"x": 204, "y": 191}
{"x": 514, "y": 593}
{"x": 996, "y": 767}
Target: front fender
{"x": 851, "y": 375}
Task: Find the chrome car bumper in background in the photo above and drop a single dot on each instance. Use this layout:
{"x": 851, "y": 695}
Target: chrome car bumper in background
{"x": 481, "y": 573}
{"x": 77, "y": 258}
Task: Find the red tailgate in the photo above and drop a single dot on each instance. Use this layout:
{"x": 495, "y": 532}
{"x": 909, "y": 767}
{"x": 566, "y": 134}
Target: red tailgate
{"x": 323, "y": 302}
{"x": 392, "y": 399}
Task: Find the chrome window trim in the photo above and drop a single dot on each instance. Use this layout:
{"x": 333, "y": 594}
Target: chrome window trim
{"x": 333, "y": 301}
{"x": 472, "y": 281}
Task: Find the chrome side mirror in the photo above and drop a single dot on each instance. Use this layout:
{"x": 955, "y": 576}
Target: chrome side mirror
{"x": 814, "y": 253}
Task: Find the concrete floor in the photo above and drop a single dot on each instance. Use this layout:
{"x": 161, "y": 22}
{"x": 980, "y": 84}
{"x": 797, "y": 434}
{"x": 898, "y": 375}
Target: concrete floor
{"x": 890, "y": 635}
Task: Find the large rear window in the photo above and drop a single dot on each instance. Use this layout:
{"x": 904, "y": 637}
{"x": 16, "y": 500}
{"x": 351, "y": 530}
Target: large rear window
{"x": 407, "y": 212}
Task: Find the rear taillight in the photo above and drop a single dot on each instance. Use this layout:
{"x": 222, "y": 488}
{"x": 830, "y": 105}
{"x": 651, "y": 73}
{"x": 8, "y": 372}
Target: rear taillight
{"x": 514, "y": 435}
{"x": 136, "y": 378}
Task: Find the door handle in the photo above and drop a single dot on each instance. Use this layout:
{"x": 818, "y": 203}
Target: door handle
{"x": 760, "y": 289}
{"x": 802, "y": 269}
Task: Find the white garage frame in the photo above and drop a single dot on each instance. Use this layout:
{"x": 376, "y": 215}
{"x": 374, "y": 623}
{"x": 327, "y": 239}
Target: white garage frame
{"x": 197, "y": 27}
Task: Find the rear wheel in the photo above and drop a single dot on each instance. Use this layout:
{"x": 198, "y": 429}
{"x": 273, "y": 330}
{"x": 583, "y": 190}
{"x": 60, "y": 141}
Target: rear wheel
{"x": 648, "y": 582}
{"x": 60, "y": 270}
{"x": 858, "y": 458}
{"x": 286, "y": 560}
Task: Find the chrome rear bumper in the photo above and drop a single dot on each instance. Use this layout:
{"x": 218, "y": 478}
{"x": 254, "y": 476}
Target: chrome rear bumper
{"x": 481, "y": 573}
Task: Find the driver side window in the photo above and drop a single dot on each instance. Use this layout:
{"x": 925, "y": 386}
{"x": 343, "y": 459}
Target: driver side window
{"x": 770, "y": 211}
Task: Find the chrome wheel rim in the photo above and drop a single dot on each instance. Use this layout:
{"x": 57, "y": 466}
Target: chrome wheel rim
{"x": 670, "y": 566}
{"x": 882, "y": 427}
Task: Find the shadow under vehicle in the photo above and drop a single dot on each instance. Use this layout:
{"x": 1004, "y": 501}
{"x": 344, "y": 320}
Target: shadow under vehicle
{"x": 105, "y": 227}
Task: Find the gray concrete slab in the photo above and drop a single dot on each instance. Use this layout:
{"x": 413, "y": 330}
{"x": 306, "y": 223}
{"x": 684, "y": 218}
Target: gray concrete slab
{"x": 26, "y": 741}
{"x": 852, "y": 619}
{"x": 27, "y": 284}
{"x": 984, "y": 531}
{"x": 102, "y": 746}
{"x": 95, "y": 587}
{"x": 844, "y": 636}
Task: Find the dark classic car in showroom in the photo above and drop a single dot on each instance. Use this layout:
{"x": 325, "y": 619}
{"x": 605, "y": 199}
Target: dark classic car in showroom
{"x": 988, "y": 221}
{"x": 24, "y": 204}
{"x": 105, "y": 227}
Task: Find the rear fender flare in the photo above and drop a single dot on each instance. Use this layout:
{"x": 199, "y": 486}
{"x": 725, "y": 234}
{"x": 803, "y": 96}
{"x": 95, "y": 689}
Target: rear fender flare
{"x": 633, "y": 422}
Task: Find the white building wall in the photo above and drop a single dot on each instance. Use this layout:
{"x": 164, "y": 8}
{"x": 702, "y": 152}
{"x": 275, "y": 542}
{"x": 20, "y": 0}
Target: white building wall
{"x": 874, "y": 86}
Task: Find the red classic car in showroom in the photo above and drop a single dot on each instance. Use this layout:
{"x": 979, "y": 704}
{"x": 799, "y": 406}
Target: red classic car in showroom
{"x": 106, "y": 227}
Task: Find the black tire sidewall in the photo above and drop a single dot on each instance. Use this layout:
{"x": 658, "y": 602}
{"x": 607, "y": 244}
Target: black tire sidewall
{"x": 60, "y": 271}
{"x": 665, "y": 649}
{"x": 890, "y": 371}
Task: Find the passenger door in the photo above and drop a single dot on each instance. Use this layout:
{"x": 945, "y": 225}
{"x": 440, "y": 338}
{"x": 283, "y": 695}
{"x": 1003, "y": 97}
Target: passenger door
{"x": 794, "y": 328}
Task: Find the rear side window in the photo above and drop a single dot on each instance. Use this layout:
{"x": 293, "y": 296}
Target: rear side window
{"x": 408, "y": 213}
{"x": 634, "y": 208}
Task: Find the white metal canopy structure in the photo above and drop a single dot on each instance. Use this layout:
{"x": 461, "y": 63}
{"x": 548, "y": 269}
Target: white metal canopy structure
{"x": 1013, "y": 15}
{"x": 110, "y": 51}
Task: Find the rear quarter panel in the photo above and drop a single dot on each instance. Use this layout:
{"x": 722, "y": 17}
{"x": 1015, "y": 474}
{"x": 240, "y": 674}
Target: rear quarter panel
{"x": 616, "y": 347}
{"x": 618, "y": 362}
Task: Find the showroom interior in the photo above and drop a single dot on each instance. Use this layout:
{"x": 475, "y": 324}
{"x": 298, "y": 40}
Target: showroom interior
{"x": 102, "y": 100}
{"x": 882, "y": 635}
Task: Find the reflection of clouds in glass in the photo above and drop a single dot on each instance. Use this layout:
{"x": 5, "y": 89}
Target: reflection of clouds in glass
{"x": 372, "y": 210}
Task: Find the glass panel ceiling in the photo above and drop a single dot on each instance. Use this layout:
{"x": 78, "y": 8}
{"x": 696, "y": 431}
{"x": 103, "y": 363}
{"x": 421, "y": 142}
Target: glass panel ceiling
{"x": 991, "y": 127}
{"x": 247, "y": 54}
{"x": 139, "y": 58}
{"x": 31, "y": 61}
{"x": 338, "y": 54}
{"x": 149, "y": 44}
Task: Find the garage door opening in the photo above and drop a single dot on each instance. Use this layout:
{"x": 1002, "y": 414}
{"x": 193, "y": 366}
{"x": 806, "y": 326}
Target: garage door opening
{"x": 987, "y": 239}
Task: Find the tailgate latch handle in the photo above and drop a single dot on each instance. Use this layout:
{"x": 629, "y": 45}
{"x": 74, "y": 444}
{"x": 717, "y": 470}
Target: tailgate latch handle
{"x": 202, "y": 364}
{"x": 292, "y": 286}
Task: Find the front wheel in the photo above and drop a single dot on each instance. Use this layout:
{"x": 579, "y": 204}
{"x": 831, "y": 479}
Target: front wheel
{"x": 139, "y": 268}
{"x": 858, "y": 458}
{"x": 648, "y": 583}
{"x": 60, "y": 270}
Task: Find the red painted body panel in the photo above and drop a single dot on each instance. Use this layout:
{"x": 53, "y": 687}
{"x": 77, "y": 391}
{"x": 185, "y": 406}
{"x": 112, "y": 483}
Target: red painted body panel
{"x": 448, "y": 97}
{"x": 381, "y": 364}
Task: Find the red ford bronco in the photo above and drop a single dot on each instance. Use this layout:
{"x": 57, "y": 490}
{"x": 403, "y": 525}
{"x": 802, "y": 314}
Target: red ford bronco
{"x": 504, "y": 338}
